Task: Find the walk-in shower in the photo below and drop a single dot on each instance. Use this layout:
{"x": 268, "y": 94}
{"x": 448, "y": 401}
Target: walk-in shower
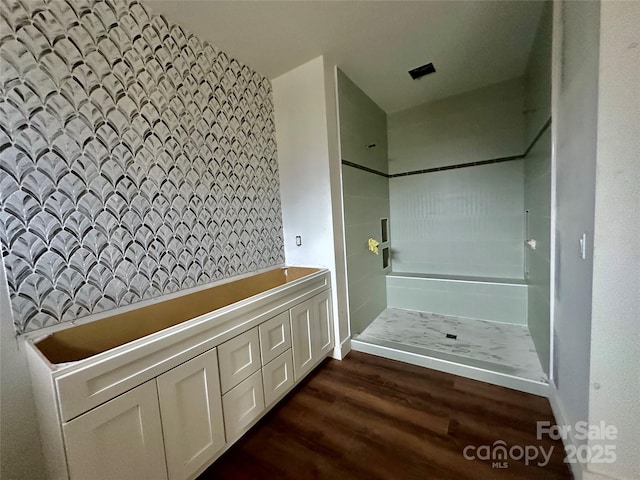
{"x": 455, "y": 191}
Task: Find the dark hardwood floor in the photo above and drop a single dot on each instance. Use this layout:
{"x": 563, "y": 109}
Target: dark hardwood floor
{"x": 372, "y": 418}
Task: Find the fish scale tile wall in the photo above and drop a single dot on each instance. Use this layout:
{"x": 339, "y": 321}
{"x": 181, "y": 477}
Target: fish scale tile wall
{"x": 135, "y": 160}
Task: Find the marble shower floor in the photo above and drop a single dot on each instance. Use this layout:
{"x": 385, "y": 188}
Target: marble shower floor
{"x": 499, "y": 347}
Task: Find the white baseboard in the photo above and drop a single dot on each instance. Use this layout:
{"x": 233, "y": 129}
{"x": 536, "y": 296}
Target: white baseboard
{"x": 475, "y": 373}
{"x": 560, "y": 415}
{"x": 341, "y": 351}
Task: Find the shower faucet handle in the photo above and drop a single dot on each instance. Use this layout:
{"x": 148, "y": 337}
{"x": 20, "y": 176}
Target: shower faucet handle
{"x": 372, "y": 243}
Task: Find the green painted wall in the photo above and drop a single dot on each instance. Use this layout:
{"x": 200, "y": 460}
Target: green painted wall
{"x": 366, "y": 199}
{"x": 537, "y": 186}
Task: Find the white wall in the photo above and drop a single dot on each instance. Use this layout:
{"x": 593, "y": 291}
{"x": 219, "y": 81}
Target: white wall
{"x": 343, "y": 333}
{"x": 20, "y": 449}
{"x": 615, "y": 326}
{"x": 479, "y": 125}
{"x": 307, "y": 141}
{"x": 574, "y": 129}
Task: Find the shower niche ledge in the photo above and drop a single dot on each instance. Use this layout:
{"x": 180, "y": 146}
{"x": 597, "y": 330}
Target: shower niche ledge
{"x": 138, "y": 394}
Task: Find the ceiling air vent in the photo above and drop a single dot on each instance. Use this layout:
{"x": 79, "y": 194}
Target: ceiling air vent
{"x": 421, "y": 71}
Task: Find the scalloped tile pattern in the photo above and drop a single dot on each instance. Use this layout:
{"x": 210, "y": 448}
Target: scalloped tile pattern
{"x": 135, "y": 160}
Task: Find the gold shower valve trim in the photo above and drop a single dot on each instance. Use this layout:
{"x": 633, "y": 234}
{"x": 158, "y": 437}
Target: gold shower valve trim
{"x": 373, "y": 245}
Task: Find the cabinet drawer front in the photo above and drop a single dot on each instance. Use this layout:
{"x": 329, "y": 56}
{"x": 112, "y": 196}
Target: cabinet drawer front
{"x": 242, "y": 404}
{"x": 277, "y": 377}
{"x": 191, "y": 408}
{"x": 239, "y": 358}
{"x": 119, "y": 440}
{"x": 275, "y": 337}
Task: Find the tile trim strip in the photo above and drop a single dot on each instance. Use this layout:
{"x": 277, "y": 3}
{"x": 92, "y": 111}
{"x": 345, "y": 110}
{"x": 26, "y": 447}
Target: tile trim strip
{"x": 366, "y": 169}
{"x": 546, "y": 125}
{"x": 459, "y": 165}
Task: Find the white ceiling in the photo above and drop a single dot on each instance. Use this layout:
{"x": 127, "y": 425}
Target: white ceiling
{"x": 471, "y": 43}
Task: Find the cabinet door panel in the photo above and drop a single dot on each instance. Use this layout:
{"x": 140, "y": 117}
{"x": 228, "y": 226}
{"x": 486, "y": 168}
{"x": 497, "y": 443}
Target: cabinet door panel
{"x": 242, "y": 404}
{"x": 301, "y": 338}
{"x": 277, "y": 377}
{"x": 275, "y": 337}
{"x": 191, "y": 407}
{"x": 119, "y": 440}
{"x": 239, "y": 358}
{"x": 323, "y": 340}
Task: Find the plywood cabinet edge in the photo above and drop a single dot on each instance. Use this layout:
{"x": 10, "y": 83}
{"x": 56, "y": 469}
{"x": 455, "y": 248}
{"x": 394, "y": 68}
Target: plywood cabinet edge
{"x": 46, "y": 401}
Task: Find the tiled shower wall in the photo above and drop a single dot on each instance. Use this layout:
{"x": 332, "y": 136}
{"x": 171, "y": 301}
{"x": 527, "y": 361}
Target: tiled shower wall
{"x": 366, "y": 199}
{"x": 463, "y": 221}
{"x": 135, "y": 160}
{"x": 466, "y": 222}
{"x": 537, "y": 186}
{"x": 537, "y": 197}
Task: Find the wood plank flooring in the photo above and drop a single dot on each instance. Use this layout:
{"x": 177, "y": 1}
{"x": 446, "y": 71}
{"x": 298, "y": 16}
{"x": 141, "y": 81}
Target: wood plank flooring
{"x": 372, "y": 418}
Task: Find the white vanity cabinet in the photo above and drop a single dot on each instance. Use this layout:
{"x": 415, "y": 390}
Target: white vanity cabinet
{"x": 191, "y": 409}
{"x": 119, "y": 440}
{"x": 311, "y": 333}
{"x": 166, "y": 405}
